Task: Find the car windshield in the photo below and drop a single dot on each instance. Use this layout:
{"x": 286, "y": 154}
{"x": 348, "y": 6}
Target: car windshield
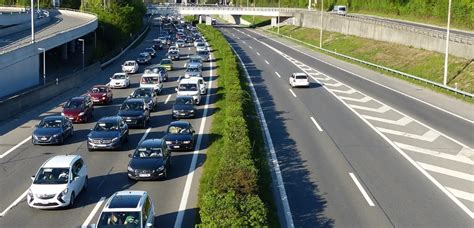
{"x": 119, "y": 219}
{"x": 184, "y": 101}
{"x": 141, "y": 93}
{"x": 202, "y": 53}
{"x": 187, "y": 87}
{"x": 119, "y": 76}
{"x": 143, "y": 55}
{"x": 301, "y": 77}
{"x": 50, "y": 124}
{"x": 74, "y": 104}
{"x": 99, "y": 90}
{"x": 177, "y": 130}
{"x": 132, "y": 106}
{"x": 150, "y": 152}
{"x": 101, "y": 126}
{"x": 129, "y": 64}
{"x": 52, "y": 176}
{"x": 200, "y": 44}
{"x": 192, "y": 69}
{"x": 150, "y": 80}
{"x": 195, "y": 60}
{"x": 172, "y": 53}
{"x": 165, "y": 61}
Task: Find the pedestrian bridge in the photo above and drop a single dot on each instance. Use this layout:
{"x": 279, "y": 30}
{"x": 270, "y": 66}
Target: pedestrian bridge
{"x": 223, "y": 10}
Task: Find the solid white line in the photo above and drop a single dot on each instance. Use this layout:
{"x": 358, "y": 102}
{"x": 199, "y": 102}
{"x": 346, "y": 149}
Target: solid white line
{"x": 4, "y": 212}
{"x": 15, "y": 147}
{"x": 382, "y": 109}
{"x": 167, "y": 99}
{"x": 189, "y": 178}
{"x": 258, "y": 53}
{"x": 250, "y": 47}
{"x": 462, "y": 194}
{"x": 144, "y": 135}
{"x": 448, "y": 172}
{"x": 435, "y": 153}
{"x": 316, "y": 123}
{"x": 291, "y": 91}
{"x": 428, "y": 136}
{"x": 274, "y": 160}
{"x": 362, "y": 190}
{"x": 91, "y": 215}
{"x": 267, "y": 62}
{"x": 277, "y": 74}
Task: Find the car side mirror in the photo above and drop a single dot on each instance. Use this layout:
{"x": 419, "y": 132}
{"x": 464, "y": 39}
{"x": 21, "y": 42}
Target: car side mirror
{"x": 130, "y": 155}
{"x": 33, "y": 177}
{"x": 176, "y": 89}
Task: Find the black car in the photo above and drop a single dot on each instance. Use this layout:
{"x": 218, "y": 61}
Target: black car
{"x": 173, "y": 55}
{"x": 151, "y": 160}
{"x": 151, "y": 51}
{"x": 183, "y": 107}
{"x": 109, "y": 133}
{"x": 189, "y": 39}
{"x": 135, "y": 112}
{"x": 180, "y": 136}
{"x": 143, "y": 58}
{"x": 150, "y": 96}
{"x": 157, "y": 45}
{"x": 52, "y": 130}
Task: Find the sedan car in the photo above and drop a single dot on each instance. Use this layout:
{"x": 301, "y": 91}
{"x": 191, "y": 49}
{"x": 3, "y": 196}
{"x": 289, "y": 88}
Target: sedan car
{"x": 135, "y": 112}
{"x": 150, "y": 96}
{"x": 204, "y": 55}
{"x": 298, "y": 80}
{"x": 197, "y": 40}
{"x": 100, "y": 94}
{"x": 181, "y": 43}
{"x": 58, "y": 182}
{"x": 192, "y": 71}
{"x": 173, "y": 48}
{"x": 173, "y": 55}
{"x": 108, "y": 133}
{"x": 179, "y": 136}
{"x": 144, "y": 58}
{"x": 119, "y": 80}
{"x": 52, "y": 130}
{"x": 183, "y": 107}
{"x": 167, "y": 64}
{"x": 151, "y": 51}
{"x": 195, "y": 60}
{"x": 151, "y": 160}
{"x": 78, "y": 109}
{"x": 201, "y": 46}
{"x": 130, "y": 67}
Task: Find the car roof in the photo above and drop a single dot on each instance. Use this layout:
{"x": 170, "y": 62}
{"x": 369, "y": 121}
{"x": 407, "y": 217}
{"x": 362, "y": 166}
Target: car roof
{"x": 81, "y": 98}
{"x": 130, "y": 199}
{"x": 300, "y": 74}
{"x": 99, "y": 86}
{"x": 61, "y": 161}
{"x": 135, "y": 100}
{"x": 109, "y": 119}
{"x": 151, "y": 143}
{"x": 120, "y": 73}
{"x": 189, "y": 80}
{"x": 180, "y": 123}
{"x": 53, "y": 118}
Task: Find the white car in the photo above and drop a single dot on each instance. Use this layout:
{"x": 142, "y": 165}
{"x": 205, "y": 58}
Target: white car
{"x": 58, "y": 182}
{"x": 173, "y": 48}
{"x": 202, "y": 85}
{"x": 130, "y": 67}
{"x": 119, "y": 80}
{"x": 298, "y": 80}
{"x": 198, "y": 41}
{"x": 201, "y": 46}
{"x": 190, "y": 87}
{"x": 128, "y": 209}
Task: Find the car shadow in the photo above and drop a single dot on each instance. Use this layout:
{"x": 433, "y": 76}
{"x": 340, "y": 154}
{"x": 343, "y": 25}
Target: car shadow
{"x": 168, "y": 219}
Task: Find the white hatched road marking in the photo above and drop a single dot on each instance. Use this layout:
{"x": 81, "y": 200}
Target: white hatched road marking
{"x": 401, "y": 122}
{"x": 449, "y": 172}
{"x": 362, "y": 190}
{"x": 337, "y": 84}
{"x": 278, "y": 74}
{"x": 428, "y": 136}
{"x": 361, "y": 100}
{"x": 435, "y": 153}
{"x": 349, "y": 91}
{"x": 250, "y": 47}
{"x": 466, "y": 152}
{"x": 258, "y": 53}
{"x": 293, "y": 93}
{"x": 462, "y": 194}
{"x": 91, "y": 215}
{"x": 267, "y": 62}
{"x": 382, "y": 109}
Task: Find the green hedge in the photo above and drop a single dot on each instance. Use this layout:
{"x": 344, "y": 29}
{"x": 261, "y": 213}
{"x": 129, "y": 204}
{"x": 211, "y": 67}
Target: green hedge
{"x": 229, "y": 192}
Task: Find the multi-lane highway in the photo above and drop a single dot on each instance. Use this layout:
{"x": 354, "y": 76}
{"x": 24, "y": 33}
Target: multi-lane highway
{"x": 175, "y": 199}
{"x": 356, "y": 153}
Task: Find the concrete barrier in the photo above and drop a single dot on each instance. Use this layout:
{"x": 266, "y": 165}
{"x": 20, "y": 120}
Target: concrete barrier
{"x": 24, "y": 26}
{"x": 18, "y": 103}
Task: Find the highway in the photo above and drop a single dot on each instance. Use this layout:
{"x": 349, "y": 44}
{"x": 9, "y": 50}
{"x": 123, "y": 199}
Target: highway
{"x": 107, "y": 169}
{"x": 354, "y": 153}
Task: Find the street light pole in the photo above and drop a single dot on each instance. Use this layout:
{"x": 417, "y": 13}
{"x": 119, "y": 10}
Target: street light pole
{"x": 309, "y": 5}
{"x": 445, "y": 78}
{"x": 32, "y": 21}
{"x": 321, "y": 29}
{"x": 44, "y": 64}
{"x": 278, "y": 18}
{"x": 82, "y": 40}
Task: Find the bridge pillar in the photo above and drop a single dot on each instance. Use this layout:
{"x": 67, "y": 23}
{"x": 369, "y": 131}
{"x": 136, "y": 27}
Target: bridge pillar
{"x": 64, "y": 51}
{"x": 236, "y": 19}
{"x": 200, "y": 19}
{"x": 274, "y": 22}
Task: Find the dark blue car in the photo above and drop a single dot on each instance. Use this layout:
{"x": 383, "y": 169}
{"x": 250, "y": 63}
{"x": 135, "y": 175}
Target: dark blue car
{"x": 151, "y": 160}
{"x": 52, "y": 130}
{"x": 109, "y": 133}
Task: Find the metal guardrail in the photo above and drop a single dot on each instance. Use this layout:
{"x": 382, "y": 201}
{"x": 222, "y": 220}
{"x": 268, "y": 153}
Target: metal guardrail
{"x": 455, "y": 90}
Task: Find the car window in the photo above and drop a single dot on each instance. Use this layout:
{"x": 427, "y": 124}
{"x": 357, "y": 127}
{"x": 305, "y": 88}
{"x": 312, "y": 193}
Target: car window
{"x": 146, "y": 210}
{"x": 74, "y": 104}
{"x": 132, "y": 106}
{"x": 52, "y": 176}
{"x": 119, "y": 76}
{"x": 148, "y": 152}
{"x": 120, "y": 219}
{"x": 99, "y": 90}
{"x": 150, "y": 80}
{"x": 301, "y": 77}
{"x": 184, "y": 101}
{"x": 109, "y": 126}
{"x": 187, "y": 87}
{"x": 176, "y": 130}
{"x": 50, "y": 124}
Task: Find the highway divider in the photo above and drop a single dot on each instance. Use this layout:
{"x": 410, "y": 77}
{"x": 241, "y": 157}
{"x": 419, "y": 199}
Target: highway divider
{"x": 232, "y": 192}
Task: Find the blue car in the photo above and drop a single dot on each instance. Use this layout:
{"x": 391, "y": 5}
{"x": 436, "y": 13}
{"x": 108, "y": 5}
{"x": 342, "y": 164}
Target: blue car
{"x": 52, "y": 130}
{"x": 108, "y": 134}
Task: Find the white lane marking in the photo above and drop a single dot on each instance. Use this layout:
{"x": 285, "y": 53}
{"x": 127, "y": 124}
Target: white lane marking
{"x": 267, "y": 62}
{"x": 401, "y": 122}
{"x": 144, "y": 135}
{"x": 337, "y": 84}
{"x": 428, "y": 136}
{"x": 349, "y": 91}
{"x": 167, "y": 99}
{"x": 462, "y": 194}
{"x": 4, "y": 212}
{"x": 189, "y": 48}
{"x": 316, "y": 123}
{"x": 361, "y": 100}
{"x": 374, "y": 82}
{"x": 184, "y": 65}
{"x": 382, "y": 109}
{"x": 189, "y": 178}
{"x": 244, "y": 42}
{"x": 268, "y": 139}
{"x": 466, "y": 152}
{"x": 448, "y": 172}
{"x": 250, "y": 47}
{"x": 91, "y": 215}
{"x": 362, "y": 190}
{"x": 15, "y": 147}
{"x": 258, "y": 53}
{"x": 277, "y": 74}
{"x": 433, "y": 153}
{"x": 291, "y": 91}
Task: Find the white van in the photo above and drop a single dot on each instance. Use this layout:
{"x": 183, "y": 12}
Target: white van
{"x": 190, "y": 87}
{"x": 151, "y": 79}
{"x": 342, "y": 10}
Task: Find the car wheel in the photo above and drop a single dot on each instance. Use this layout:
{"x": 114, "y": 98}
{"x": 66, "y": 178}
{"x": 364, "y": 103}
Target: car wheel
{"x": 84, "y": 187}
{"x": 71, "y": 201}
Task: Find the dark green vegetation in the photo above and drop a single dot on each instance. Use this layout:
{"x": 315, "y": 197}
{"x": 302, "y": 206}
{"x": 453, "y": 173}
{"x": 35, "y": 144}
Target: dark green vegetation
{"x": 419, "y": 62}
{"x": 235, "y": 184}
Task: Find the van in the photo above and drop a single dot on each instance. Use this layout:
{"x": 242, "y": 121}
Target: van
{"x": 152, "y": 79}
{"x": 190, "y": 87}
{"x": 340, "y": 9}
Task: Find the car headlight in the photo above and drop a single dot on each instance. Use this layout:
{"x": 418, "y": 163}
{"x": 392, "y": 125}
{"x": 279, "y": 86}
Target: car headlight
{"x": 186, "y": 142}
{"x": 129, "y": 168}
{"x": 168, "y": 142}
{"x": 56, "y": 135}
{"x": 192, "y": 111}
{"x": 160, "y": 168}
{"x": 30, "y": 193}
{"x": 81, "y": 114}
{"x": 115, "y": 139}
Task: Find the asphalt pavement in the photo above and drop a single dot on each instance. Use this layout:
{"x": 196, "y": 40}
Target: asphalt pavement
{"x": 107, "y": 169}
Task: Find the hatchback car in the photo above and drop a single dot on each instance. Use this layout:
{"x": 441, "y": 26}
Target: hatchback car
{"x": 167, "y": 64}
{"x": 108, "y": 133}
{"x": 128, "y": 209}
{"x": 144, "y": 58}
{"x": 183, "y": 107}
{"x": 135, "y": 112}
{"x": 52, "y": 130}
{"x": 130, "y": 67}
{"x": 179, "y": 136}
{"x": 151, "y": 160}
{"x": 100, "y": 94}
{"x": 173, "y": 55}
{"x": 78, "y": 109}
{"x": 150, "y": 96}
{"x": 58, "y": 182}
{"x": 151, "y": 51}
{"x": 298, "y": 80}
{"x": 119, "y": 80}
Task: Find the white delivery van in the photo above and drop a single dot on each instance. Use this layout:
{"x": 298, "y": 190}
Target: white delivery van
{"x": 151, "y": 79}
{"x": 190, "y": 87}
{"x": 342, "y": 10}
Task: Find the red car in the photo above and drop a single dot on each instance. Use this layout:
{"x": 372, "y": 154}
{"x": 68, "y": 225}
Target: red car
{"x": 100, "y": 94}
{"x": 78, "y": 109}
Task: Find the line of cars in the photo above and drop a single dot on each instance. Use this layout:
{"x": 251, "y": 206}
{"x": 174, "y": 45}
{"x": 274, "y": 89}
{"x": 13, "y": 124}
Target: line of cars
{"x": 61, "y": 178}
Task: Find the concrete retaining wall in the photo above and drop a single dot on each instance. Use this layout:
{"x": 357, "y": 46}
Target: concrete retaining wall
{"x": 13, "y": 105}
{"x": 390, "y": 32}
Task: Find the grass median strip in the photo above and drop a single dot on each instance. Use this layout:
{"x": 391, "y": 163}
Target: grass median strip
{"x": 235, "y": 188}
